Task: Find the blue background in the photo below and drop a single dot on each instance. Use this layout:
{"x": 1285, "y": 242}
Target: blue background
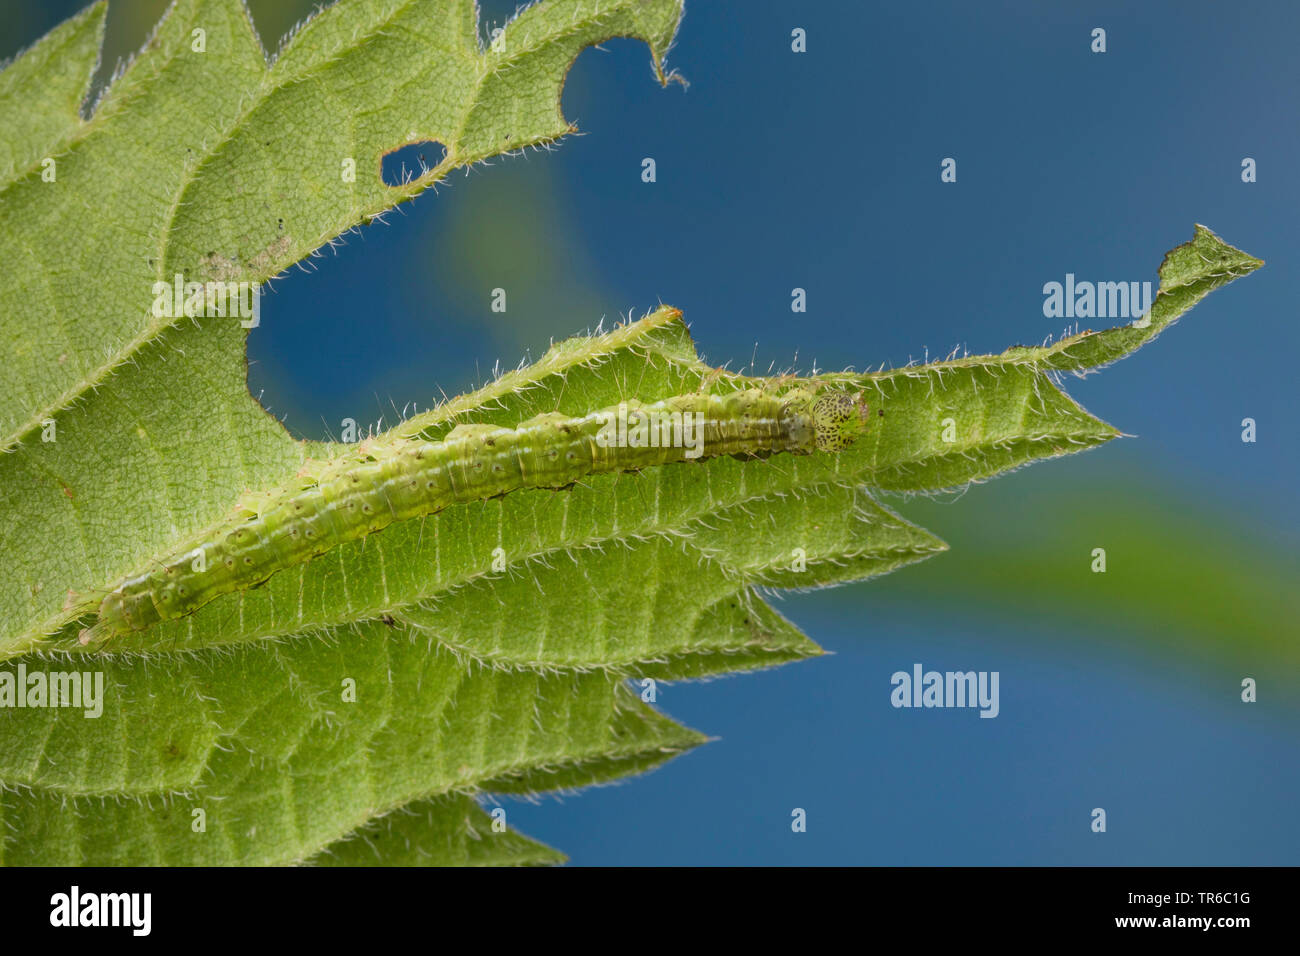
{"x": 821, "y": 170}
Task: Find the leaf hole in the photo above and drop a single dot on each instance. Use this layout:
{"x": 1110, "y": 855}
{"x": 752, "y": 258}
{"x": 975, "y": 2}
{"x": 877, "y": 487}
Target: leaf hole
{"x": 411, "y": 162}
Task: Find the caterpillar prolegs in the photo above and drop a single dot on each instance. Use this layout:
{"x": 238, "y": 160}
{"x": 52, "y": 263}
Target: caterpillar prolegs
{"x": 341, "y": 500}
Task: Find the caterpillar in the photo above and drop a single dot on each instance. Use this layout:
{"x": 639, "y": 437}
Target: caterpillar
{"x": 332, "y": 502}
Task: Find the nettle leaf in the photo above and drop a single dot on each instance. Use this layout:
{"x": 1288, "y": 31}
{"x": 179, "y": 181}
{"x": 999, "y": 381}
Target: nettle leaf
{"x": 264, "y": 746}
{"x": 446, "y": 831}
{"x": 213, "y": 166}
{"x": 41, "y": 93}
{"x": 354, "y": 709}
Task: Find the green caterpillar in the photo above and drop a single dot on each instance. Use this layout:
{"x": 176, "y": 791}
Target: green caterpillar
{"x": 338, "y": 501}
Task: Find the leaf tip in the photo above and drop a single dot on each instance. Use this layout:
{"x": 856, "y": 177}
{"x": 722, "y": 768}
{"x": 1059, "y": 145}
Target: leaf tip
{"x": 1205, "y": 257}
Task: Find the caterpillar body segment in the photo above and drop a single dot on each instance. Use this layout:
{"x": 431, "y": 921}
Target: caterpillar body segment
{"x": 380, "y": 483}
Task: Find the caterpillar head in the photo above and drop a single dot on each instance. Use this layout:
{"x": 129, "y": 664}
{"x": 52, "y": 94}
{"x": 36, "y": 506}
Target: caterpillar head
{"x": 839, "y": 419}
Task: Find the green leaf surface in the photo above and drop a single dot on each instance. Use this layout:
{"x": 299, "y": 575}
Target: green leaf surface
{"x": 446, "y": 831}
{"x": 347, "y": 710}
{"x": 174, "y": 191}
{"x": 282, "y": 765}
{"x": 42, "y": 90}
